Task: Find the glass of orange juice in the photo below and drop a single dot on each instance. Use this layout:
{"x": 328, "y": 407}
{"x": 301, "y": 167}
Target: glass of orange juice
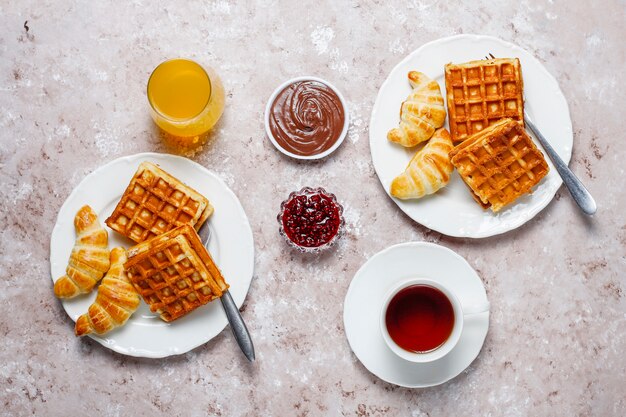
{"x": 186, "y": 99}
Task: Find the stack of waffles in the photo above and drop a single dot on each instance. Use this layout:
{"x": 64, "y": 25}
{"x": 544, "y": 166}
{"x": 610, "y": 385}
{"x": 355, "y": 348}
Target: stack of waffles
{"x": 170, "y": 267}
{"x": 494, "y": 155}
{"x": 174, "y": 273}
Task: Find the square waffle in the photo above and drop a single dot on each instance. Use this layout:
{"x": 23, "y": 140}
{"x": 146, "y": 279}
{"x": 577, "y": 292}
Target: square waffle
{"x": 155, "y": 202}
{"x": 499, "y": 164}
{"x": 479, "y": 93}
{"x": 174, "y": 273}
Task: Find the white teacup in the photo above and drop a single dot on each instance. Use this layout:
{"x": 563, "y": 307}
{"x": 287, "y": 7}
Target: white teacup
{"x": 460, "y": 311}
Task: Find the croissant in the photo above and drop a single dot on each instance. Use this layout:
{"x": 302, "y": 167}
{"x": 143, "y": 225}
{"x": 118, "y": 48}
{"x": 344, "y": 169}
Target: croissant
{"x": 428, "y": 171}
{"x": 116, "y": 301}
{"x": 421, "y": 113}
{"x": 89, "y": 259}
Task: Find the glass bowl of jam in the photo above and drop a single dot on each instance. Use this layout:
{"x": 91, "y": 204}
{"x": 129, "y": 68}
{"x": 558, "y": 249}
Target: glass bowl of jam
{"x": 311, "y": 220}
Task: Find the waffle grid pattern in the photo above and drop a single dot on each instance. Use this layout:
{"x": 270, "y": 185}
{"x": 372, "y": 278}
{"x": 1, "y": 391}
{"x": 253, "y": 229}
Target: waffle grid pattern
{"x": 172, "y": 279}
{"x": 480, "y": 93}
{"x": 502, "y": 166}
{"x": 151, "y": 206}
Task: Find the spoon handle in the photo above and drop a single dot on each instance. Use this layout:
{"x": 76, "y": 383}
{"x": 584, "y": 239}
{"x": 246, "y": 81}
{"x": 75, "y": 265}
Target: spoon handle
{"x": 238, "y": 326}
{"x": 576, "y": 188}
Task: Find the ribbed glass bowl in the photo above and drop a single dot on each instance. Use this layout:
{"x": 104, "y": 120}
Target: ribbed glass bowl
{"x": 311, "y": 249}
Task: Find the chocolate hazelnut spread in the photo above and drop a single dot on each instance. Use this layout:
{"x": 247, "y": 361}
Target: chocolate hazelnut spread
{"x": 306, "y": 118}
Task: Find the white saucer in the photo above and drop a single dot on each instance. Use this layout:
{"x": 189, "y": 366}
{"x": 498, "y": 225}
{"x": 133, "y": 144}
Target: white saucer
{"x": 231, "y": 246}
{"x": 452, "y": 210}
{"x": 364, "y": 300}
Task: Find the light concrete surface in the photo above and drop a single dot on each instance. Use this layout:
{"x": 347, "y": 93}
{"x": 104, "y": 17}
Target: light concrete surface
{"x": 72, "y": 97}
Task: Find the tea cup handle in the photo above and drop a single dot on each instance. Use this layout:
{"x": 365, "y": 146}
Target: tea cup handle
{"x": 473, "y": 309}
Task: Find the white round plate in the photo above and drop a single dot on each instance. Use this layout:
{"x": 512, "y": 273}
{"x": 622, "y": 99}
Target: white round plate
{"x": 231, "y": 246}
{"x": 364, "y": 300}
{"x": 452, "y": 210}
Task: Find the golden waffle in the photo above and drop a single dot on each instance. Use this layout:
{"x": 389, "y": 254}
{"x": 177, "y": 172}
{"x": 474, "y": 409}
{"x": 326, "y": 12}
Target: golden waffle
{"x": 155, "y": 202}
{"x": 174, "y": 273}
{"x": 479, "y": 93}
{"x": 499, "y": 164}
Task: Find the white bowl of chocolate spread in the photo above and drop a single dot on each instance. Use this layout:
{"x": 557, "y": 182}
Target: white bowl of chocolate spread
{"x": 306, "y": 118}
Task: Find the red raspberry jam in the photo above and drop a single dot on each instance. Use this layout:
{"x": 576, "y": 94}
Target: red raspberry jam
{"x": 311, "y": 218}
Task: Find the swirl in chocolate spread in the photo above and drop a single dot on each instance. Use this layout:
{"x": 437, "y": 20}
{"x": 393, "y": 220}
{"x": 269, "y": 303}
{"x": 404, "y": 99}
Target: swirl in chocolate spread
{"x": 307, "y": 118}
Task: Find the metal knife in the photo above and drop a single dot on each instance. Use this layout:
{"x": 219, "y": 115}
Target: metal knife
{"x": 237, "y": 325}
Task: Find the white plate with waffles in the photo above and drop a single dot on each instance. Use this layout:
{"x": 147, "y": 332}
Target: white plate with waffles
{"x": 452, "y": 210}
{"x": 231, "y": 246}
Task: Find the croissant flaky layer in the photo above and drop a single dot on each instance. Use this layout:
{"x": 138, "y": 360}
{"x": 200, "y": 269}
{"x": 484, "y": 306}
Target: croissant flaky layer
{"x": 422, "y": 112}
{"x": 116, "y": 301}
{"x": 428, "y": 171}
{"x": 89, "y": 259}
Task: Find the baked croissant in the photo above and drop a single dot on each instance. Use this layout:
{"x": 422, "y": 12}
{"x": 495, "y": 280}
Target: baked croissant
{"x": 428, "y": 171}
{"x": 89, "y": 259}
{"x": 116, "y": 301}
{"x": 421, "y": 113}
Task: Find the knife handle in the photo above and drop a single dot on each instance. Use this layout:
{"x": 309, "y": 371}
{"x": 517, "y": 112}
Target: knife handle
{"x": 237, "y": 325}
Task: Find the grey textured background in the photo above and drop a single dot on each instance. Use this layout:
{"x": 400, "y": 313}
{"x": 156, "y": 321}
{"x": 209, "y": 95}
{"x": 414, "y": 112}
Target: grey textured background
{"x": 72, "y": 98}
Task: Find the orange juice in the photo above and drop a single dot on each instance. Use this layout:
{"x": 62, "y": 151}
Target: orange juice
{"x": 186, "y": 99}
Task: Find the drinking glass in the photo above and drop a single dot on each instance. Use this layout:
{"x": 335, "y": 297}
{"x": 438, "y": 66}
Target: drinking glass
{"x": 186, "y": 99}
